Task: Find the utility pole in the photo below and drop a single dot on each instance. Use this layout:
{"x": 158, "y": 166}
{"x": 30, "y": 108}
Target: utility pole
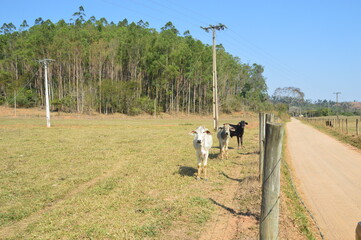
{"x": 215, "y": 87}
{"x": 45, "y": 62}
{"x": 337, "y": 93}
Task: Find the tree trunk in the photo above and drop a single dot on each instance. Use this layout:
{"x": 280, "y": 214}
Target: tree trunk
{"x": 194, "y": 99}
{"x": 189, "y": 99}
{"x": 100, "y": 88}
{"x": 177, "y": 96}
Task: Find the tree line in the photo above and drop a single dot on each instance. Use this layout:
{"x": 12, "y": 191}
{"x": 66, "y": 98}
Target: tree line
{"x": 125, "y": 67}
{"x": 291, "y": 100}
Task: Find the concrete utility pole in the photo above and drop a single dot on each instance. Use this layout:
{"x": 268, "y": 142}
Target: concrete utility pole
{"x": 337, "y": 93}
{"x": 45, "y": 62}
{"x": 215, "y": 88}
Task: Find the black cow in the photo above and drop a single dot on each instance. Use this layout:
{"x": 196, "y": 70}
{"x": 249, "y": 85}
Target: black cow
{"x": 239, "y": 131}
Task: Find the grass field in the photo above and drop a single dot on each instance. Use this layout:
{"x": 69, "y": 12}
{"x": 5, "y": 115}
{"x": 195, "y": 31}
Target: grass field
{"x": 115, "y": 178}
{"x": 118, "y": 177}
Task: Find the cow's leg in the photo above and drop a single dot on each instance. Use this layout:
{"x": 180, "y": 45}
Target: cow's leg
{"x": 220, "y": 151}
{"x": 226, "y": 149}
{"x": 205, "y": 172}
{"x": 241, "y": 141}
{"x": 199, "y": 165}
{"x": 238, "y": 141}
{"x": 205, "y": 161}
{"x": 199, "y": 171}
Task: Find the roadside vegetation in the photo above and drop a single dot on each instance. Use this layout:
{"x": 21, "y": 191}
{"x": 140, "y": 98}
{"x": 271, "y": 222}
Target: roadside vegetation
{"x": 339, "y": 131}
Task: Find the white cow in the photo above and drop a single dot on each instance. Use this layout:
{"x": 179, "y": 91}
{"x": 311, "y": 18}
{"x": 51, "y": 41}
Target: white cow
{"x": 202, "y": 142}
{"x": 223, "y": 136}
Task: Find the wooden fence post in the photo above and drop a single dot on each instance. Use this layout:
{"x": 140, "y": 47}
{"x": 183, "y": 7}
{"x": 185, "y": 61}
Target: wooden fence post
{"x": 342, "y": 125}
{"x": 271, "y": 182}
{"x": 358, "y": 231}
{"x": 262, "y": 133}
{"x": 346, "y": 120}
{"x": 270, "y": 117}
{"x": 357, "y": 127}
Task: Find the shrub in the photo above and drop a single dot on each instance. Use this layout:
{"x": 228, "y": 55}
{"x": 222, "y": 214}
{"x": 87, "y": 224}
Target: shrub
{"x": 24, "y": 98}
{"x": 146, "y": 104}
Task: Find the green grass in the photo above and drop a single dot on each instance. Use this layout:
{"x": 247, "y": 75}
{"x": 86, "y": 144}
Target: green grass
{"x": 110, "y": 178}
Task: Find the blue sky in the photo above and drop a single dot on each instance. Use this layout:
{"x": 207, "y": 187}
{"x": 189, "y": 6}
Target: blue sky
{"x": 313, "y": 45}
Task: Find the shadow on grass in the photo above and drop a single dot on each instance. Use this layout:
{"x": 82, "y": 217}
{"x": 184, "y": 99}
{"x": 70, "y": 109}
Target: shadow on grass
{"x": 250, "y": 153}
{"x": 249, "y": 178}
{"x": 217, "y": 147}
{"x": 213, "y": 155}
{"x": 187, "y": 171}
{"x": 234, "y": 212}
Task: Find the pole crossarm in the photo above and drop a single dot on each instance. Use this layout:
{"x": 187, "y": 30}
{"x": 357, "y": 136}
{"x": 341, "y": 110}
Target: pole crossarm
{"x": 337, "y": 93}
{"x": 46, "y": 61}
{"x": 215, "y": 27}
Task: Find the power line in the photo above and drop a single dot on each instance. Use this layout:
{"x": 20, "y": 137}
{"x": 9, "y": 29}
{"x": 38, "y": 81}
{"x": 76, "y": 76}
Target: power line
{"x": 236, "y": 37}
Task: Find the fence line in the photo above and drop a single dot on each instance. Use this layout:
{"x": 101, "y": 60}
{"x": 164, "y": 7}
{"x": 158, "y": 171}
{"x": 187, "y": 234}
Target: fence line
{"x": 348, "y": 126}
{"x": 262, "y": 133}
{"x": 271, "y": 181}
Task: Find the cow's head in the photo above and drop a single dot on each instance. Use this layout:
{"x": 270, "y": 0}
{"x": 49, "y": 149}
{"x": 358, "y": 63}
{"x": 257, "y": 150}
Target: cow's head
{"x": 200, "y": 133}
{"x": 242, "y": 123}
{"x": 226, "y": 128}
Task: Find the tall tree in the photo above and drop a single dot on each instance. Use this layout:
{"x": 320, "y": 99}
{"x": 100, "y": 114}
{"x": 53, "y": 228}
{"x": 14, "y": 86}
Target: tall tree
{"x": 125, "y": 67}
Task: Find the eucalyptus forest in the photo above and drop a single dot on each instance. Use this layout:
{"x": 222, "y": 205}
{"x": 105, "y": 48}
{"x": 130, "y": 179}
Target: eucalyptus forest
{"x": 122, "y": 67}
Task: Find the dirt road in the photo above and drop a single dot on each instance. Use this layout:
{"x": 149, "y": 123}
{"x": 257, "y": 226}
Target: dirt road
{"x": 329, "y": 174}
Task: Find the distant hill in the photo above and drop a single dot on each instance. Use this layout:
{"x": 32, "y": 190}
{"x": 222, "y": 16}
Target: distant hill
{"x": 356, "y": 105}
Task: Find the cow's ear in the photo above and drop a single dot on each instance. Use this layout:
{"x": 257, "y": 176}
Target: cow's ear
{"x": 219, "y": 128}
{"x": 246, "y": 123}
{"x": 192, "y": 133}
{"x": 208, "y": 132}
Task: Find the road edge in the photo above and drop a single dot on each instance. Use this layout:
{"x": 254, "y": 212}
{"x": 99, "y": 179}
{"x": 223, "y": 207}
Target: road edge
{"x": 297, "y": 209}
